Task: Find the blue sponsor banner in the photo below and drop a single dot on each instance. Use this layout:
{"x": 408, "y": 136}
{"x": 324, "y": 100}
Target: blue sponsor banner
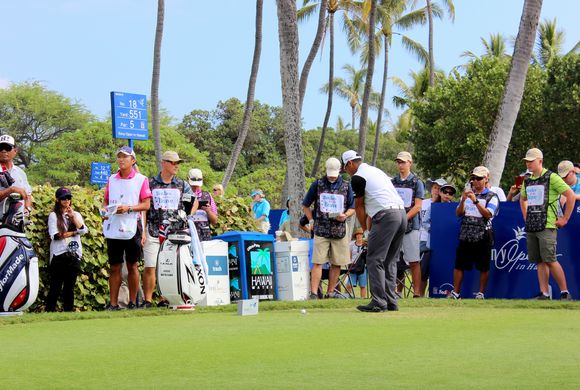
{"x": 511, "y": 275}
{"x": 217, "y": 265}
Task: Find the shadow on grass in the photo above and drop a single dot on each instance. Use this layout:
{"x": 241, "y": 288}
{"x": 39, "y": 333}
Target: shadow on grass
{"x": 326, "y": 304}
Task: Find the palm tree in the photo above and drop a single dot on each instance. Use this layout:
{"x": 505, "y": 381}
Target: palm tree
{"x": 501, "y": 132}
{"x": 350, "y": 89}
{"x": 430, "y": 14}
{"x": 495, "y": 47}
{"x": 155, "y": 118}
{"x": 288, "y": 38}
{"x": 332, "y": 7}
{"x": 362, "y": 132}
{"x": 245, "y": 126}
{"x": 320, "y": 30}
{"x": 550, "y": 42}
{"x": 390, "y": 14}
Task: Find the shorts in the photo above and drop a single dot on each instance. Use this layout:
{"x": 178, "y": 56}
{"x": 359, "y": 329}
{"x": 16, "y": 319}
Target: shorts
{"x": 150, "y": 251}
{"x": 125, "y": 250}
{"x": 331, "y": 250}
{"x": 410, "y": 247}
{"x": 542, "y": 246}
{"x": 425, "y": 260}
{"x": 470, "y": 253}
{"x": 358, "y": 280}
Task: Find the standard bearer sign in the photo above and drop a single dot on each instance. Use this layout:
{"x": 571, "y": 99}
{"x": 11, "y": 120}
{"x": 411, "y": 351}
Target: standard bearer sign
{"x": 129, "y": 114}
{"x": 100, "y": 172}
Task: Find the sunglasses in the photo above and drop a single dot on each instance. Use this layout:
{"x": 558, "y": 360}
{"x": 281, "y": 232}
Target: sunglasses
{"x": 447, "y": 192}
{"x": 476, "y": 178}
{"x": 215, "y": 189}
{"x": 66, "y": 197}
{"x": 173, "y": 162}
{"x": 196, "y": 179}
{"x": 6, "y": 148}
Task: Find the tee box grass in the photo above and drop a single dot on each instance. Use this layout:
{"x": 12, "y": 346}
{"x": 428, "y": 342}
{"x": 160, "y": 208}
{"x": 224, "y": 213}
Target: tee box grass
{"x": 427, "y": 344}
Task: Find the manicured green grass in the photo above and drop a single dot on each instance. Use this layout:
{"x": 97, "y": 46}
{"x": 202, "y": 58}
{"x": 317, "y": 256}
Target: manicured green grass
{"x": 428, "y": 344}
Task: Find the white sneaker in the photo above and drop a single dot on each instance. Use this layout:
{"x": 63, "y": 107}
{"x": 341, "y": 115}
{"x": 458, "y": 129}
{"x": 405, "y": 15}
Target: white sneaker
{"x": 454, "y": 295}
{"x": 479, "y": 295}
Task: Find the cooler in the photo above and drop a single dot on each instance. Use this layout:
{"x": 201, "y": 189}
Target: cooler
{"x": 218, "y": 280}
{"x": 251, "y": 265}
{"x": 292, "y": 269}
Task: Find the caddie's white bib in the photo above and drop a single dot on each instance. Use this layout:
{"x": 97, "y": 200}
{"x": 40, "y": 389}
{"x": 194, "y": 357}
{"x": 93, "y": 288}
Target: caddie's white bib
{"x": 199, "y": 216}
{"x": 471, "y": 209}
{"x": 331, "y": 203}
{"x": 123, "y": 192}
{"x": 407, "y": 195}
{"x": 535, "y": 194}
{"x": 166, "y": 198}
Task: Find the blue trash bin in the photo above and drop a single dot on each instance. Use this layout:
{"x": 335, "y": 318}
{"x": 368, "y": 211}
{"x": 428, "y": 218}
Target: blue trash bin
{"x": 252, "y": 265}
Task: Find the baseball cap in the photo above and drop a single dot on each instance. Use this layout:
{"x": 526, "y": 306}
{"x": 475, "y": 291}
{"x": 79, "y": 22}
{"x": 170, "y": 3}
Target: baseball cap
{"x": 195, "y": 177}
{"x": 256, "y": 192}
{"x": 533, "y": 154}
{"x": 404, "y": 156}
{"x": 350, "y": 155}
{"x": 62, "y": 193}
{"x": 127, "y": 150}
{"x": 6, "y": 139}
{"x": 565, "y": 167}
{"x": 172, "y": 156}
{"x": 480, "y": 171}
{"x": 441, "y": 182}
{"x": 332, "y": 167}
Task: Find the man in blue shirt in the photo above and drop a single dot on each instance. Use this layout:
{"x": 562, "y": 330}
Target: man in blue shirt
{"x": 261, "y": 210}
{"x": 334, "y": 203}
{"x": 570, "y": 177}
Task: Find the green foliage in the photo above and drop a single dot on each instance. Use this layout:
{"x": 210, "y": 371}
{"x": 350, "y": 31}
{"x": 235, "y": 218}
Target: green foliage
{"x": 270, "y": 180}
{"x": 233, "y": 214}
{"x": 453, "y": 122}
{"x": 92, "y": 289}
{"x": 67, "y": 160}
{"x": 33, "y": 115}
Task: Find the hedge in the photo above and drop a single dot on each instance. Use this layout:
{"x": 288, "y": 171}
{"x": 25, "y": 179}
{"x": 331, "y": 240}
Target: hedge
{"x": 92, "y": 287}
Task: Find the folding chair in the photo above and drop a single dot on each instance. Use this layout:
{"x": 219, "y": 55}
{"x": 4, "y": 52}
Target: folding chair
{"x": 404, "y": 279}
{"x": 339, "y": 289}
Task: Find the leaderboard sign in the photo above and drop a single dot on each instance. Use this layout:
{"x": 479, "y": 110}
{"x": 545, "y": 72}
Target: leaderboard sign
{"x": 129, "y": 114}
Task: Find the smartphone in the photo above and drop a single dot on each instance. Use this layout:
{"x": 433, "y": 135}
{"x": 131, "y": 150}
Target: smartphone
{"x": 203, "y": 203}
{"x": 519, "y": 180}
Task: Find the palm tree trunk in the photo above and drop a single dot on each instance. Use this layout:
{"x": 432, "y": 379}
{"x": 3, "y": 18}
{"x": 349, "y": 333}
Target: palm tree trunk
{"x": 156, "y": 122}
{"x": 431, "y": 57}
{"x": 313, "y": 50}
{"x": 381, "y": 103}
{"x": 362, "y": 135}
{"x": 330, "y": 93}
{"x": 352, "y": 116}
{"x": 288, "y": 37}
{"x": 501, "y": 132}
{"x": 245, "y": 126}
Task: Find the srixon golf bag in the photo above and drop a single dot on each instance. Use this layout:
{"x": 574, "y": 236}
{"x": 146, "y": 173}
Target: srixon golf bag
{"x": 181, "y": 278}
{"x": 18, "y": 262}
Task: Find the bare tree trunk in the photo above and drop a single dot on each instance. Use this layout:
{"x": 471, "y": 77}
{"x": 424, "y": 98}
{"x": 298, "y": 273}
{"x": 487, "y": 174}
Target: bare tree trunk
{"x": 501, "y": 132}
{"x": 156, "y": 122}
{"x": 362, "y": 135}
{"x": 313, "y": 50}
{"x": 245, "y": 126}
{"x": 381, "y": 103}
{"x": 431, "y": 56}
{"x": 330, "y": 94}
{"x": 288, "y": 37}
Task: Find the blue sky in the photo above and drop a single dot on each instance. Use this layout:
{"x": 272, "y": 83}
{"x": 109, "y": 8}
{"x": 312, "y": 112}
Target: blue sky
{"x": 86, "y": 48}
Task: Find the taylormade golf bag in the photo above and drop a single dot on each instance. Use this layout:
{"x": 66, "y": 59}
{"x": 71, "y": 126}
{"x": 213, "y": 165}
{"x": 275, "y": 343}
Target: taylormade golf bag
{"x": 180, "y": 278}
{"x": 18, "y": 262}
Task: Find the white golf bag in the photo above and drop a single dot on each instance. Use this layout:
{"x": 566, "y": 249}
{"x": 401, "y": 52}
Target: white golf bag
{"x": 180, "y": 279}
{"x": 18, "y": 262}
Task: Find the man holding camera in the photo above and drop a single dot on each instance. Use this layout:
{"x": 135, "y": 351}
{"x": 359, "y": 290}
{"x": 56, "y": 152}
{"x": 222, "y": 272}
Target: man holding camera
{"x": 204, "y": 212}
{"x": 168, "y": 193}
{"x": 14, "y": 179}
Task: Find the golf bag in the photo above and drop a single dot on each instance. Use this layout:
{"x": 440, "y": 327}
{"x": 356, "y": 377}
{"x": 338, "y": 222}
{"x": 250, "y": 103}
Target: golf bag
{"x": 180, "y": 279}
{"x": 18, "y": 262}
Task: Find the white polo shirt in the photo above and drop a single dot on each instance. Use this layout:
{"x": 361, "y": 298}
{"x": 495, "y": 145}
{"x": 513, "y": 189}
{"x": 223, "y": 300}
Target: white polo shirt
{"x": 379, "y": 192}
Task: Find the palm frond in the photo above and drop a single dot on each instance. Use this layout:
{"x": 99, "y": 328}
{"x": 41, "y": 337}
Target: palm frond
{"x": 304, "y": 13}
{"x": 412, "y": 18}
{"x": 416, "y": 49}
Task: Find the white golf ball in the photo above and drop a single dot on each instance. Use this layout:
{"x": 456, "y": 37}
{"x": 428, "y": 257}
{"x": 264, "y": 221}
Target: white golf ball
{"x": 303, "y": 311}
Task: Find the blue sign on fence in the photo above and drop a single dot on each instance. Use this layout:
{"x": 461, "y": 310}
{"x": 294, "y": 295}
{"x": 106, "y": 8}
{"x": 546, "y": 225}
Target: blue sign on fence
{"x": 511, "y": 274}
{"x": 129, "y": 115}
{"x": 100, "y": 172}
